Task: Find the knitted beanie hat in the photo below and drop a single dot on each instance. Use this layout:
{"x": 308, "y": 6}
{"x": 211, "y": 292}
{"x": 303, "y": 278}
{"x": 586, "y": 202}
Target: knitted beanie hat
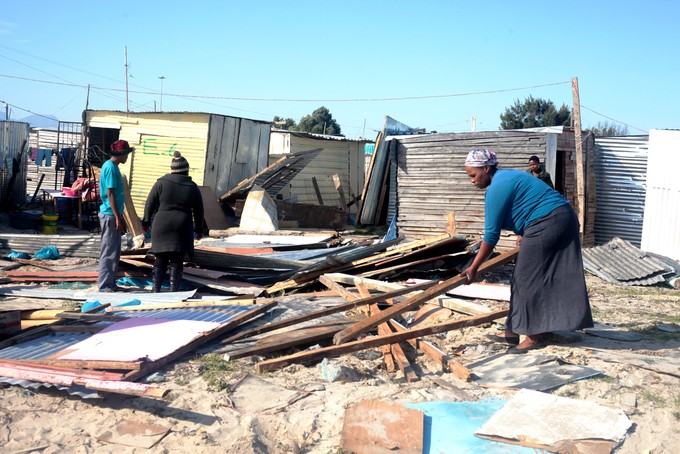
{"x": 179, "y": 164}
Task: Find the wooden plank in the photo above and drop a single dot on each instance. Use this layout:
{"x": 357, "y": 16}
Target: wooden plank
{"x": 447, "y": 363}
{"x": 338, "y": 187}
{"x": 301, "y": 336}
{"x": 376, "y": 341}
{"x": 324, "y": 312}
{"x": 317, "y": 191}
{"x": 383, "y": 330}
{"x": 134, "y": 224}
{"x": 214, "y": 216}
{"x": 42, "y": 314}
{"x": 375, "y": 427}
{"x": 83, "y": 364}
{"x": 148, "y": 307}
{"x": 414, "y": 301}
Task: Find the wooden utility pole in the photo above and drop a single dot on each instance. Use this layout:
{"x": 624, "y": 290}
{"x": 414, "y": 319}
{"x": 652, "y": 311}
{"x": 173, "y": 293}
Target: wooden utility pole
{"x": 580, "y": 178}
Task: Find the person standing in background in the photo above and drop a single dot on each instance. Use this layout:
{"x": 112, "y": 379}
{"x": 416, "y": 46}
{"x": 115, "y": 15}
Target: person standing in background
{"x": 111, "y": 220}
{"x": 537, "y": 170}
{"x": 173, "y": 211}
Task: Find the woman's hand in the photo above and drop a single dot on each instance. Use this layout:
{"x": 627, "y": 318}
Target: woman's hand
{"x": 470, "y": 273}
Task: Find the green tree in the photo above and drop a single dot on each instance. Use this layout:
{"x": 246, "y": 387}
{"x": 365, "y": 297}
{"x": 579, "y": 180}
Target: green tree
{"x": 319, "y": 122}
{"x": 284, "y": 123}
{"x": 607, "y": 130}
{"x": 534, "y": 113}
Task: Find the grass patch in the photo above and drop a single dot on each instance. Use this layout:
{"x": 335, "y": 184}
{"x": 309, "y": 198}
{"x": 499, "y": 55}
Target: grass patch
{"x": 604, "y": 378}
{"x": 216, "y": 371}
{"x": 649, "y": 396}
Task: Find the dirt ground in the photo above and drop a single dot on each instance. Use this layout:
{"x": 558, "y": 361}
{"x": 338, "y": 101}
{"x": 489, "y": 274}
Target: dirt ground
{"x": 225, "y": 407}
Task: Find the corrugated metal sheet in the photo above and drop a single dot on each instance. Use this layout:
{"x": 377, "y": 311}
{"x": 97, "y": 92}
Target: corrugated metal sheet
{"x": 43, "y": 347}
{"x": 217, "y": 314}
{"x": 68, "y": 245}
{"x": 12, "y": 135}
{"x": 620, "y": 262}
{"x": 620, "y": 165}
{"x": 342, "y": 157}
{"x": 661, "y": 227}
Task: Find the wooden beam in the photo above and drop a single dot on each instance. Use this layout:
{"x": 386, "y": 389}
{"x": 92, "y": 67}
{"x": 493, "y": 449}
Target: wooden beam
{"x": 323, "y": 312}
{"x": 301, "y": 336}
{"x": 84, "y": 364}
{"x": 145, "y": 307}
{"x": 383, "y": 330}
{"x": 580, "y": 178}
{"x": 447, "y": 363}
{"x": 416, "y": 300}
{"x": 376, "y": 341}
{"x": 317, "y": 191}
{"x": 341, "y": 193}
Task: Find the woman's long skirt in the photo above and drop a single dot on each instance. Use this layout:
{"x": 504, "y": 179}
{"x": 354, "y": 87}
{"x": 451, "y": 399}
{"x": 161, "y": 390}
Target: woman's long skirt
{"x": 548, "y": 291}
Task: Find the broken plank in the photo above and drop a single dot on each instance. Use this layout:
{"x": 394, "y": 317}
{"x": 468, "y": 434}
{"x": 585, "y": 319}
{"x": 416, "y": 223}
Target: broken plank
{"x": 190, "y": 304}
{"x": 321, "y": 313}
{"x": 81, "y": 364}
{"x": 302, "y": 336}
{"x": 447, "y": 363}
{"x": 90, "y": 317}
{"x": 376, "y": 341}
{"x": 383, "y": 330}
{"x": 372, "y": 427}
{"x": 414, "y": 301}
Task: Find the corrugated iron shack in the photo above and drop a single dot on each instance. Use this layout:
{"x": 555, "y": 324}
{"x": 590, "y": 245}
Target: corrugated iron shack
{"x": 13, "y": 162}
{"x": 339, "y": 156}
{"x": 432, "y": 184}
{"x": 221, "y": 150}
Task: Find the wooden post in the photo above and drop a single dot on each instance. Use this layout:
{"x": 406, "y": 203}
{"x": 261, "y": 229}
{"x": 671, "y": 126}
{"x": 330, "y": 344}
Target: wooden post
{"x": 317, "y": 191}
{"x": 341, "y": 193}
{"x": 580, "y": 179}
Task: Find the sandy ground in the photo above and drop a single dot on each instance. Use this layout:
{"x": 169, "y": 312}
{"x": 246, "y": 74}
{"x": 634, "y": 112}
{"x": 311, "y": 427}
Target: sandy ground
{"x": 217, "y": 407}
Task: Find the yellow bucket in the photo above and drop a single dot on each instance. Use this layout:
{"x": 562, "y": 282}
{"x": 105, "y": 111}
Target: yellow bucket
{"x": 49, "y": 223}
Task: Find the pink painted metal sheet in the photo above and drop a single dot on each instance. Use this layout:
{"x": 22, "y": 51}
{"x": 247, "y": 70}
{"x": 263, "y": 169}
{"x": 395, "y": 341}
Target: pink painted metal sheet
{"x": 138, "y": 338}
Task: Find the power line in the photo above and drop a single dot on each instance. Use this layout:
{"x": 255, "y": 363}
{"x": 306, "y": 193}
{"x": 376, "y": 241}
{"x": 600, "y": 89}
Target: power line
{"x": 614, "y": 119}
{"x": 235, "y": 98}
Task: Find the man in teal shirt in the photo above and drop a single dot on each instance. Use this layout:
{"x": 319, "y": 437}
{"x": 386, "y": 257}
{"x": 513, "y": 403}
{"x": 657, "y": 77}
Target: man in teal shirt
{"x": 111, "y": 218}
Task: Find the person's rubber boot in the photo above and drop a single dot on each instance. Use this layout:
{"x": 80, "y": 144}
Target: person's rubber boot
{"x": 157, "y": 276}
{"x": 175, "y": 276}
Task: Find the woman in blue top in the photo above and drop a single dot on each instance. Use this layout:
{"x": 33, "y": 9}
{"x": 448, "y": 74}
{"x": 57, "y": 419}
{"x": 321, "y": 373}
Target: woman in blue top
{"x": 548, "y": 290}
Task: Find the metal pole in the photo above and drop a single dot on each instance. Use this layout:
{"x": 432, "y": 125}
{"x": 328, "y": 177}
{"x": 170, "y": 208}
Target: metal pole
{"x": 161, "y": 78}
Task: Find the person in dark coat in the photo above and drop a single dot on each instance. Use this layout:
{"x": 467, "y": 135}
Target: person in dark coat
{"x": 548, "y": 291}
{"x": 173, "y": 211}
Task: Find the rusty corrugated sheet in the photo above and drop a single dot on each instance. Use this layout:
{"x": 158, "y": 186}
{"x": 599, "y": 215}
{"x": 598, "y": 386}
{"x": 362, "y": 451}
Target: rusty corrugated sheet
{"x": 620, "y": 165}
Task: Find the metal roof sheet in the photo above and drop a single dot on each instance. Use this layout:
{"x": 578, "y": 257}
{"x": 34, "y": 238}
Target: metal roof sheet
{"x": 618, "y": 261}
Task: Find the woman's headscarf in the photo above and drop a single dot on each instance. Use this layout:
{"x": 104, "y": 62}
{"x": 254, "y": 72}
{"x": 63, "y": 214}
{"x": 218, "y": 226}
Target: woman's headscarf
{"x": 480, "y": 157}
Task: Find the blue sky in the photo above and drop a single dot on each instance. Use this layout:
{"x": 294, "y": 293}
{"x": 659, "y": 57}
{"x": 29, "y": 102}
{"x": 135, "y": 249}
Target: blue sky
{"x": 428, "y": 64}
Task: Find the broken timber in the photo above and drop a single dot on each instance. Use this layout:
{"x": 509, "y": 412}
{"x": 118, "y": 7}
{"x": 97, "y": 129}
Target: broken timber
{"x": 414, "y": 301}
{"x": 376, "y": 341}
